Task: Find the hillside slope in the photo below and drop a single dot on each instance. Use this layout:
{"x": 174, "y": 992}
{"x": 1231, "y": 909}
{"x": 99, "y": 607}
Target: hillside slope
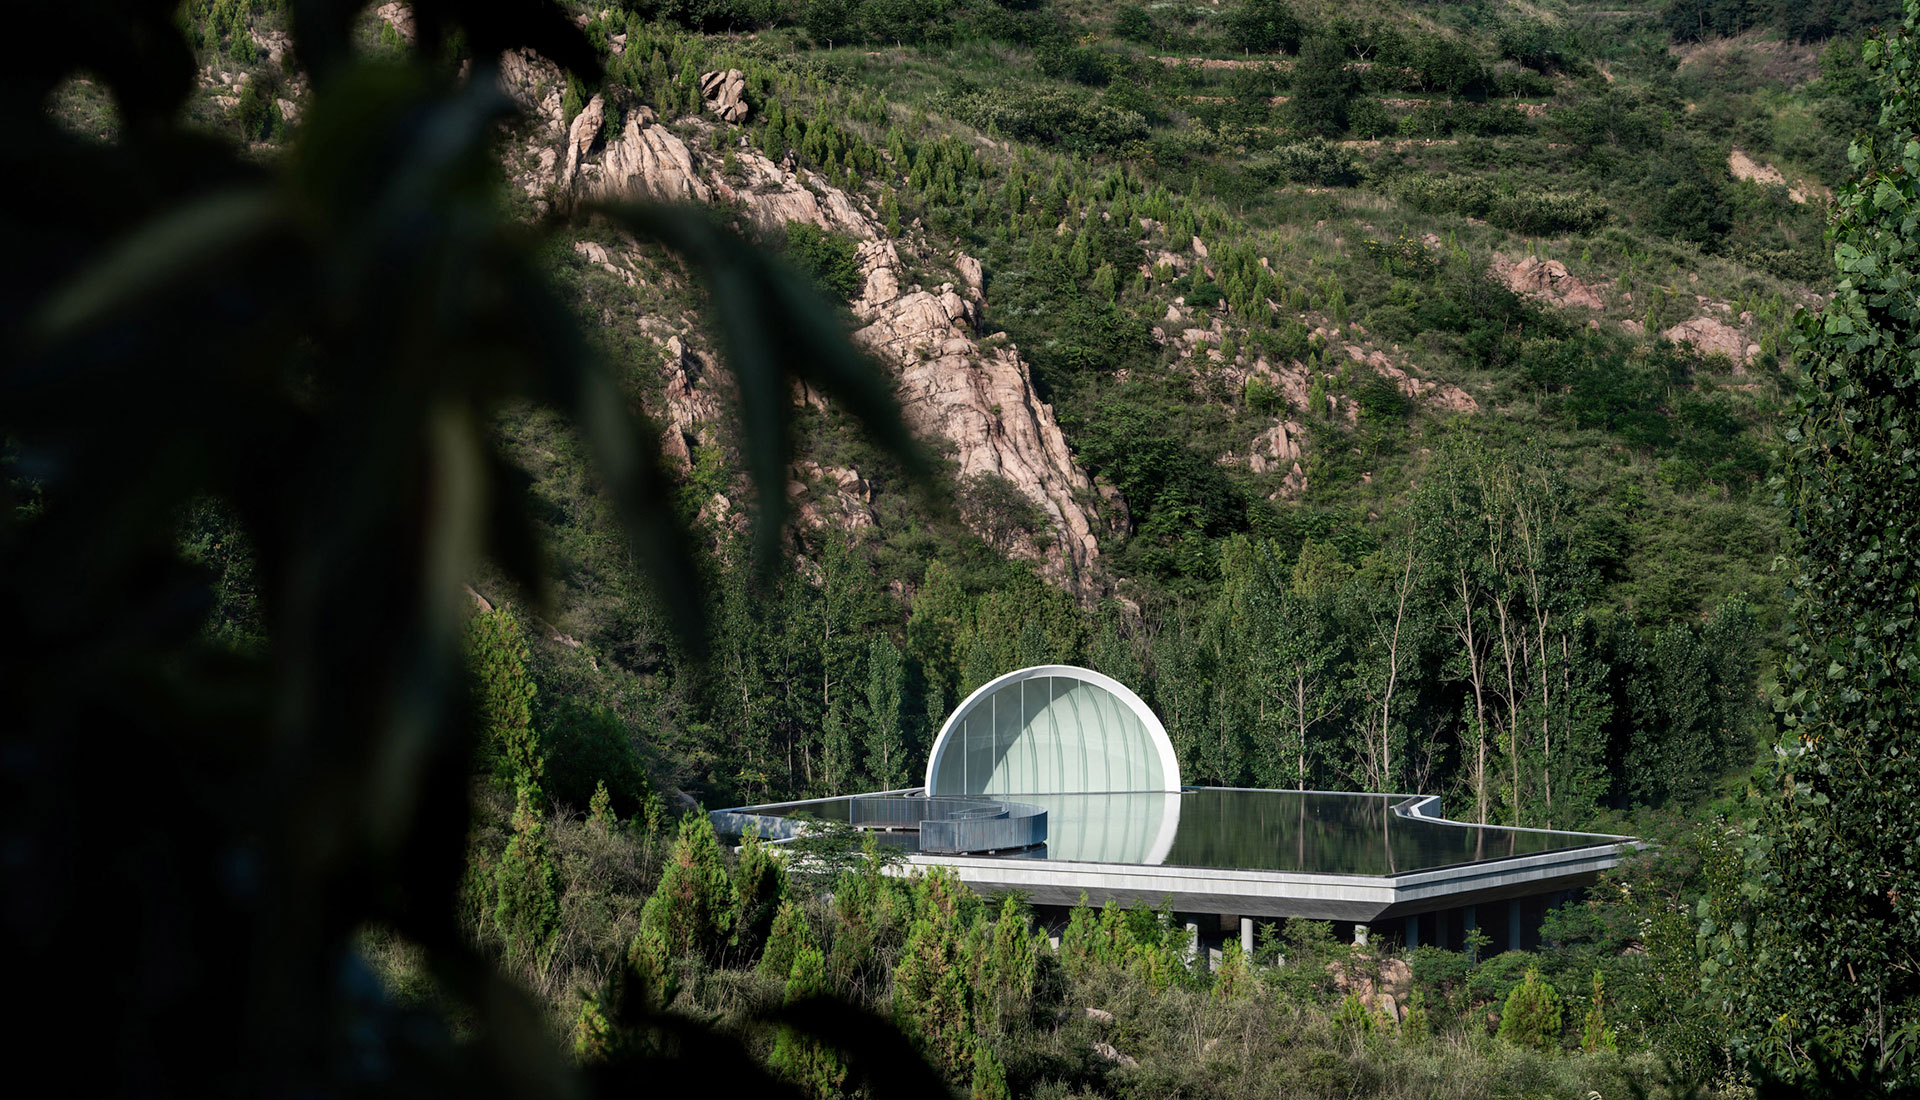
{"x": 1177, "y": 289}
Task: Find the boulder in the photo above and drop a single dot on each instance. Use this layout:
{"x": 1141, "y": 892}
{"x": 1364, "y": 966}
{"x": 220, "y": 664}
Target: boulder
{"x": 726, "y": 94}
{"x": 646, "y": 161}
{"x": 1711, "y": 336}
{"x": 585, "y": 131}
{"x": 1547, "y": 280}
{"x": 397, "y": 15}
{"x": 1277, "y": 447}
{"x": 1107, "y": 1053}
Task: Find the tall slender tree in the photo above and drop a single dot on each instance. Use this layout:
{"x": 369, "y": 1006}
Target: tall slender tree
{"x": 503, "y": 692}
{"x": 1452, "y": 530}
{"x": 1387, "y": 623}
{"x": 886, "y": 691}
{"x": 1832, "y": 965}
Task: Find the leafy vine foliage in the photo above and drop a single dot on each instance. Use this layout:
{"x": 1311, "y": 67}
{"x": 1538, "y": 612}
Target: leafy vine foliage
{"x": 1826, "y": 957}
{"x": 316, "y": 345}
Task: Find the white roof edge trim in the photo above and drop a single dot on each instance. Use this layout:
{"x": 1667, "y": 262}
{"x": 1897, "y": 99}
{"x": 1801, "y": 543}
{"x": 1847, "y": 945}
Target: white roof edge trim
{"x": 1169, "y": 762}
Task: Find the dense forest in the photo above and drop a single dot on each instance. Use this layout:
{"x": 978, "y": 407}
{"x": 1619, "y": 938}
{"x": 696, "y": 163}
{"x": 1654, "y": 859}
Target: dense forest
{"x": 1506, "y": 402}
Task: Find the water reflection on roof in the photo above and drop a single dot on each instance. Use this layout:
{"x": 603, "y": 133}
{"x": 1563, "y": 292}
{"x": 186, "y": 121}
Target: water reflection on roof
{"x": 1263, "y": 830}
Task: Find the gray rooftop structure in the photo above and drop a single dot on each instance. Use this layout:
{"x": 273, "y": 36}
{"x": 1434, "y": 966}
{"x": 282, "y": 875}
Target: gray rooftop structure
{"x": 1057, "y": 782}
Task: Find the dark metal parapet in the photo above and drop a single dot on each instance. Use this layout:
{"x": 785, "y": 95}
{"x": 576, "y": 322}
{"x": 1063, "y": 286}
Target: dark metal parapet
{"x": 983, "y": 827}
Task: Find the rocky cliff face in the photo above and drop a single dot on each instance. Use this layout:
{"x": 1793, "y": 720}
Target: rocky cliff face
{"x": 980, "y": 399}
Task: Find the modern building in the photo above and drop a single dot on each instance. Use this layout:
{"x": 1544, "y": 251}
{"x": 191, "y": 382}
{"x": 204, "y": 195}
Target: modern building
{"x": 1058, "y": 782}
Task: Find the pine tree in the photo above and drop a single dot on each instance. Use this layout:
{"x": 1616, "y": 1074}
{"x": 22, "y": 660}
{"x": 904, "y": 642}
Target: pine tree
{"x": 932, "y": 996}
{"x": 693, "y": 908}
{"x": 1595, "y": 1035}
{"x": 526, "y": 898}
{"x": 1532, "y": 1016}
{"x": 1352, "y": 1018}
{"x": 1106, "y": 281}
{"x": 1233, "y": 978}
{"x": 759, "y": 890}
{"x": 890, "y": 213}
{"x": 1079, "y": 941}
{"x": 989, "y": 1078}
{"x": 503, "y": 694}
{"x": 1011, "y": 963}
{"x": 651, "y": 959}
{"x": 1415, "y": 1027}
{"x": 600, "y": 809}
{"x": 815, "y": 1069}
{"x": 790, "y": 935}
{"x": 593, "y": 1034}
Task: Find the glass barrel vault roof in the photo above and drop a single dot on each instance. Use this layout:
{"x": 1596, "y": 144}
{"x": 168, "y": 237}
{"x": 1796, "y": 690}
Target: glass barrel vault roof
{"x": 1052, "y": 728}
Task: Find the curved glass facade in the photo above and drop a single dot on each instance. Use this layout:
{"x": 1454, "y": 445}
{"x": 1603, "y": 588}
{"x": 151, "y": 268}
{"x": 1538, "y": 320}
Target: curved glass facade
{"x": 1054, "y": 729}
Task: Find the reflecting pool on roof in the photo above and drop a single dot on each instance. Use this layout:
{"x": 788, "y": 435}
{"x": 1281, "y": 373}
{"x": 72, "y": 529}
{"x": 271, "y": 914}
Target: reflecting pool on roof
{"x": 1257, "y": 830}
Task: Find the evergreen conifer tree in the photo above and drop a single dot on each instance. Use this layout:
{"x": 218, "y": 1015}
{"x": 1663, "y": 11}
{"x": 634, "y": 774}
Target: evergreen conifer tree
{"x": 526, "y": 898}
{"x": 593, "y": 1034}
{"x": 1595, "y": 1035}
{"x": 790, "y": 935}
{"x": 1415, "y": 1027}
{"x": 693, "y": 908}
{"x": 760, "y": 889}
{"x": 1079, "y": 940}
{"x": 989, "y": 1077}
{"x": 815, "y": 1069}
{"x": 1233, "y": 978}
{"x": 1532, "y": 1016}
{"x": 886, "y": 689}
{"x": 503, "y": 694}
{"x": 600, "y": 809}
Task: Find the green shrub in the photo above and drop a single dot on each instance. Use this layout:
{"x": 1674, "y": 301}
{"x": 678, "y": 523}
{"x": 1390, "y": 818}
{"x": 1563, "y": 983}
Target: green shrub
{"x": 1314, "y": 161}
{"x": 1800, "y": 265}
{"x": 829, "y": 259}
{"x": 1522, "y": 211}
{"x": 1262, "y": 397}
{"x": 1382, "y": 402}
{"x": 585, "y": 747}
{"x": 1061, "y": 60}
{"x": 258, "y": 114}
{"x": 1057, "y": 115}
{"x": 1432, "y": 194}
{"x": 1264, "y": 26}
{"x": 1543, "y": 212}
{"x": 1133, "y": 23}
{"x": 1369, "y": 119}
{"x": 1402, "y": 256}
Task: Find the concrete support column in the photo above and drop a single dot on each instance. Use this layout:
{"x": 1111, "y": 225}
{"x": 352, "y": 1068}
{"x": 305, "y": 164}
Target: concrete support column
{"x": 1360, "y": 932}
{"x": 1193, "y": 944}
{"x": 1246, "y": 936}
{"x": 1513, "y": 925}
{"x": 1413, "y": 932}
